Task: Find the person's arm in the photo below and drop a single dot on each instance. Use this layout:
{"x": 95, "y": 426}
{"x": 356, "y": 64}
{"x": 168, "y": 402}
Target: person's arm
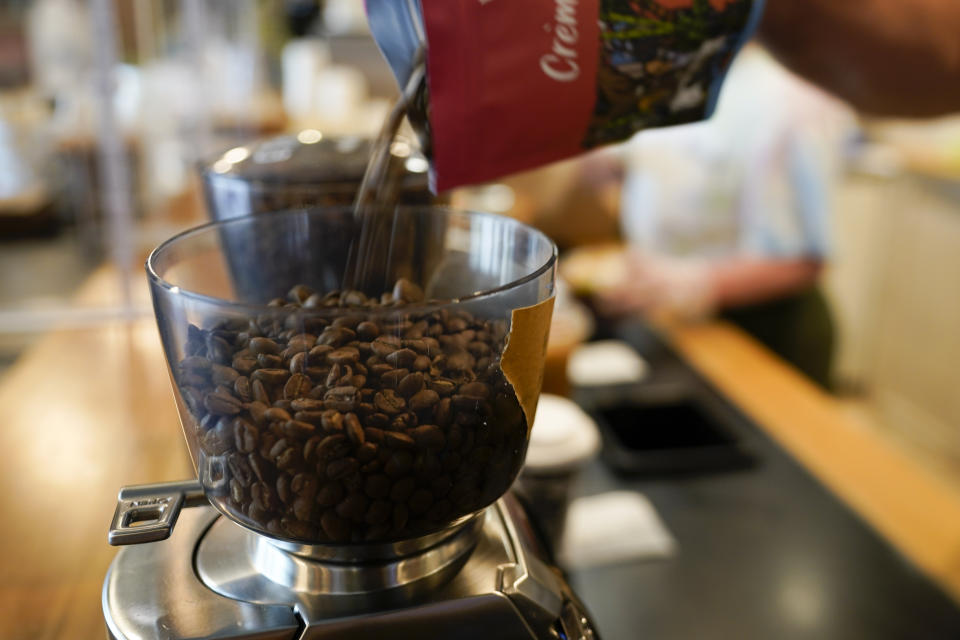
{"x": 742, "y": 281}
{"x": 692, "y": 288}
{"x": 886, "y": 57}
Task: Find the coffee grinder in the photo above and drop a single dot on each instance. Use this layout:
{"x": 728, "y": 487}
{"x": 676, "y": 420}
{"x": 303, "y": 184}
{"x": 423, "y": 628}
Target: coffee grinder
{"x": 354, "y": 448}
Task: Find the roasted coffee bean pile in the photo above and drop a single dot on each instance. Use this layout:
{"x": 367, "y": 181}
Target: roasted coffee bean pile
{"x": 371, "y": 424}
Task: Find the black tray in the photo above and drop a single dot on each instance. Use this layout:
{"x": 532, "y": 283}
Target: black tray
{"x": 680, "y": 435}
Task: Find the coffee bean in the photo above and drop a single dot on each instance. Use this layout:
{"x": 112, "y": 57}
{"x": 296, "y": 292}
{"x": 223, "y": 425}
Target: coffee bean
{"x": 220, "y": 374}
{"x": 357, "y": 380}
{"x": 335, "y": 527}
{"x": 429, "y": 436}
{"x": 259, "y": 391}
{"x": 366, "y": 452}
{"x": 258, "y": 346}
{"x": 238, "y": 493}
{"x": 385, "y": 345}
{"x": 260, "y": 467}
{"x": 454, "y": 436}
{"x": 411, "y": 384}
{"x": 191, "y": 379}
{"x": 259, "y": 516}
{"x": 352, "y": 298}
{"x": 335, "y": 336}
{"x": 301, "y": 342}
{"x": 402, "y": 358}
{"x": 456, "y": 324}
{"x": 270, "y": 377}
{"x": 378, "y": 512}
{"x": 399, "y": 464}
{"x": 377, "y": 486}
{"x": 476, "y": 390}
{"x": 299, "y": 293}
{"x": 480, "y": 456}
{"x": 377, "y": 419}
{"x": 298, "y": 363}
{"x": 332, "y": 447}
{"x": 334, "y": 376}
{"x": 353, "y": 429}
{"x": 281, "y": 403}
{"x": 379, "y": 369}
{"x": 276, "y": 414}
{"x": 368, "y": 330}
{"x": 241, "y": 387}
{"x": 397, "y": 440}
{"x": 283, "y": 488}
{"x": 245, "y": 435}
{"x": 392, "y": 378}
{"x": 421, "y": 363}
{"x": 218, "y": 349}
{"x": 297, "y": 385}
{"x": 264, "y": 496}
{"x": 222, "y": 404}
{"x": 304, "y": 485}
{"x": 339, "y": 469}
{"x": 209, "y": 421}
{"x": 373, "y": 434}
{"x": 240, "y": 468}
{"x": 389, "y": 402}
{"x": 439, "y": 511}
{"x": 353, "y": 507}
{"x": 298, "y": 529}
{"x": 443, "y": 412}
{"x": 341, "y": 398}
{"x": 332, "y": 421}
{"x": 461, "y": 362}
{"x": 441, "y": 485}
{"x": 427, "y": 466}
{"x": 303, "y": 508}
{"x": 267, "y": 361}
{"x": 329, "y": 494}
{"x": 196, "y": 364}
{"x": 288, "y": 459}
{"x": 424, "y": 400}
{"x": 450, "y": 459}
{"x": 443, "y": 387}
{"x": 298, "y": 430}
{"x": 407, "y": 291}
{"x": 420, "y": 501}
{"x": 313, "y": 417}
{"x": 306, "y": 404}
{"x": 319, "y": 353}
{"x": 403, "y": 421}
{"x": 344, "y": 355}
{"x": 400, "y": 516}
{"x": 310, "y": 449}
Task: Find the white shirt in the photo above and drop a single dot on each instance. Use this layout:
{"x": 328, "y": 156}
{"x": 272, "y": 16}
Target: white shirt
{"x": 756, "y": 179}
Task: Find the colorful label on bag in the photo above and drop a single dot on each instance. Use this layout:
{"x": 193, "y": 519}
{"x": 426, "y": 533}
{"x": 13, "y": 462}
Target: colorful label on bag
{"x": 515, "y": 85}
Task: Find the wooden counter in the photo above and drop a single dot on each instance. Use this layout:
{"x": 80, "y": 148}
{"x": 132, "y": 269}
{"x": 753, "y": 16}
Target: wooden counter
{"x": 87, "y": 411}
{"x": 915, "y": 510}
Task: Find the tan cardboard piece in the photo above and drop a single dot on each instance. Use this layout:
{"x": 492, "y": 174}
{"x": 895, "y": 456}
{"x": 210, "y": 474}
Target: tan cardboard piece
{"x": 523, "y": 358}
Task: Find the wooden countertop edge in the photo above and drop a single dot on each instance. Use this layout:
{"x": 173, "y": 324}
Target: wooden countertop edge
{"x": 914, "y": 510}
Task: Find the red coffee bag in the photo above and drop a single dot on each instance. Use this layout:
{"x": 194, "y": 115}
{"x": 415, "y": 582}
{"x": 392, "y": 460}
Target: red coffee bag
{"x": 512, "y": 85}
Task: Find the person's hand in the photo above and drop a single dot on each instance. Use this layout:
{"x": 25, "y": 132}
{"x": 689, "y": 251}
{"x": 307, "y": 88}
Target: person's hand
{"x": 657, "y": 285}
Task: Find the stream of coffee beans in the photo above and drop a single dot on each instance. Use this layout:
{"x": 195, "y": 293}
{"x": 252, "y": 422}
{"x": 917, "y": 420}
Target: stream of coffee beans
{"x": 368, "y": 262}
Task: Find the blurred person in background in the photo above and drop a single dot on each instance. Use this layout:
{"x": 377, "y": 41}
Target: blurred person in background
{"x": 731, "y": 216}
